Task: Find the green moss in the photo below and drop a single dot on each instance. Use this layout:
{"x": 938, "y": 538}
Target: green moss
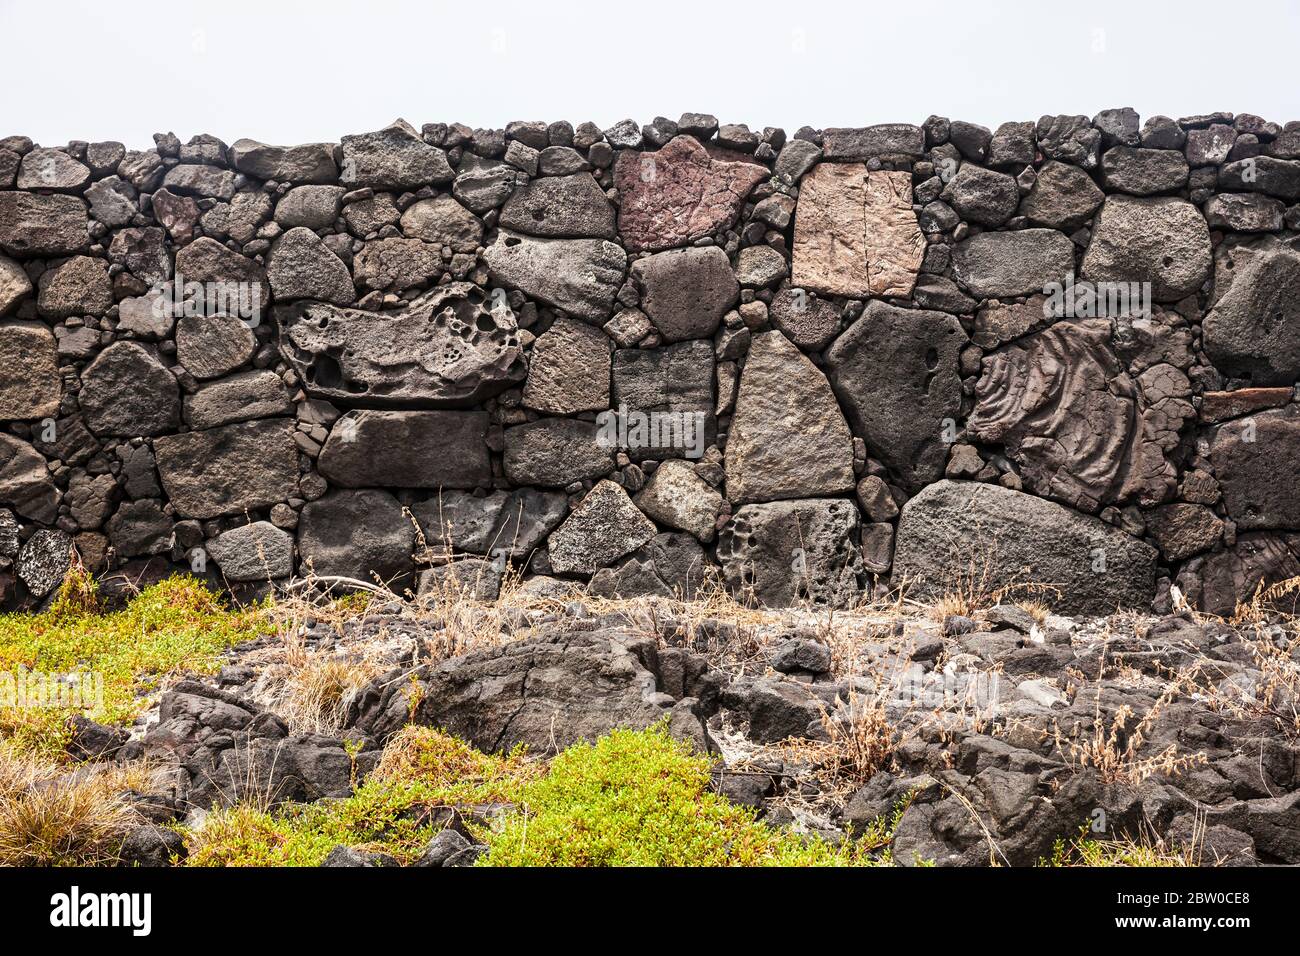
{"x": 392, "y": 811}
{"x": 634, "y": 798}
{"x": 177, "y": 624}
{"x": 643, "y": 799}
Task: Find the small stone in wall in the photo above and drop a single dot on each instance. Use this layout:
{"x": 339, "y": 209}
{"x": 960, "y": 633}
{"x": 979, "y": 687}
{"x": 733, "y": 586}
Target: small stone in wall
{"x": 44, "y": 560}
{"x": 255, "y": 552}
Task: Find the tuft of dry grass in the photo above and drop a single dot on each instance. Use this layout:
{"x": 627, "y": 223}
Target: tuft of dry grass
{"x": 50, "y": 816}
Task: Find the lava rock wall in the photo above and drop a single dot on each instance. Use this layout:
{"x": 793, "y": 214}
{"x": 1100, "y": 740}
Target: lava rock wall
{"x": 1060, "y": 354}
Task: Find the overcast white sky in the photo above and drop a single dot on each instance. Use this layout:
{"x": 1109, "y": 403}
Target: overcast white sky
{"x": 288, "y": 72}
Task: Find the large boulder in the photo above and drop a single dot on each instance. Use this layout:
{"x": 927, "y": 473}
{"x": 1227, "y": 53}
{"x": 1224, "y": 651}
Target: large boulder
{"x": 1005, "y": 264}
{"x": 782, "y": 552}
{"x": 788, "y": 438}
{"x": 567, "y": 207}
{"x": 1164, "y": 241}
{"x": 421, "y": 449}
{"x": 680, "y": 193}
{"x": 359, "y": 534}
{"x": 126, "y": 391}
{"x": 453, "y": 346}
{"x": 686, "y": 292}
{"x": 580, "y": 276}
{"x": 31, "y": 386}
{"x": 1216, "y": 583}
{"x": 207, "y": 261}
{"x": 855, "y": 233}
{"x": 959, "y": 536}
{"x": 897, "y": 374}
{"x": 231, "y": 469}
{"x": 1253, "y": 331}
{"x": 546, "y": 693}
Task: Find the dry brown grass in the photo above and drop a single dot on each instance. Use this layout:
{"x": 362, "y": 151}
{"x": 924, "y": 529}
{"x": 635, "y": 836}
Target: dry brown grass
{"x": 50, "y": 816}
{"x": 1116, "y": 748}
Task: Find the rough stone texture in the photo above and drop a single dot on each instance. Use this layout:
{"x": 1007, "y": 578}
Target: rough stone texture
{"x": 778, "y": 553}
{"x": 677, "y": 379}
{"x": 1254, "y": 328}
{"x": 230, "y": 469}
{"x": 1255, "y": 460}
{"x": 553, "y": 452}
{"x": 127, "y": 391}
{"x": 254, "y": 552}
{"x": 678, "y": 497}
{"x": 310, "y": 163}
{"x": 31, "y": 386}
{"x": 444, "y": 222}
{"x": 1002, "y": 264}
{"x": 1062, "y": 197}
{"x": 392, "y": 158}
{"x": 239, "y": 398}
{"x": 580, "y": 276}
{"x": 788, "y": 438}
{"x": 686, "y": 293}
{"x": 79, "y": 286}
{"x": 896, "y": 373}
{"x": 569, "y": 207}
{"x": 214, "y": 345}
{"x": 462, "y": 346}
{"x": 394, "y": 265}
{"x": 392, "y": 449}
{"x": 680, "y": 193}
{"x": 25, "y": 484}
{"x": 14, "y": 284}
{"x": 36, "y": 225}
{"x": 1016, "y": 539}
{"x": 44, "y": 560}
{"x": 300, "y": 266}
{"x": 359, "y": 534}
{"x": 809, "y": 322}
{"x": 603, "y": 528}
{"x": 855, "y": 232}
{"x": 1163, "y": 241}
{"x": 570, "y": 369}
{"x": 546, "y": 693}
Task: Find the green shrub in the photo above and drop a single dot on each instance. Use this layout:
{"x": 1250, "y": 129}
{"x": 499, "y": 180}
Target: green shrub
{"x": 644, "y": 799}
{"x": 177, "y": 624}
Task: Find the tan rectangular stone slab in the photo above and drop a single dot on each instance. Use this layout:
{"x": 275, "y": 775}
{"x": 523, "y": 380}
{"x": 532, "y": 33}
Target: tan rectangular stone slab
{"x": 855, "y": 233}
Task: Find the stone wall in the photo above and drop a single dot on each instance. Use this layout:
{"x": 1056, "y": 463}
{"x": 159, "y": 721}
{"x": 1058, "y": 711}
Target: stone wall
{"x": 1060, "y": 353}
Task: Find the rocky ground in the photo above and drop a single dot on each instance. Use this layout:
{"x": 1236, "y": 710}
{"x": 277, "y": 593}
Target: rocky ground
{"x": 1000, "y": 731}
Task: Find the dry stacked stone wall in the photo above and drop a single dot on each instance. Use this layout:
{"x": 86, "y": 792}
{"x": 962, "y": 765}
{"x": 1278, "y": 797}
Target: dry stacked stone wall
{"x": 810, "y": 365}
